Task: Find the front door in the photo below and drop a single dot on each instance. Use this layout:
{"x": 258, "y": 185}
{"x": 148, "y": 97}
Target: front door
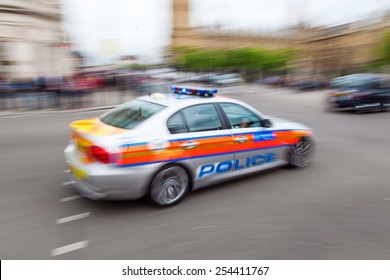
{"x": 203, "y": 142}
{"x": 256, "y": 147}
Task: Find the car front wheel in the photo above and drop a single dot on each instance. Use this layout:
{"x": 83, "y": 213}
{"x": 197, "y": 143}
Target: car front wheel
{"x": 301, "y": 153}
{"x": 169, "y": 186}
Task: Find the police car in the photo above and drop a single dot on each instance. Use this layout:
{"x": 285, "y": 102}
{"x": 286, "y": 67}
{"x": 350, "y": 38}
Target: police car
{"x": 165, "y": 145}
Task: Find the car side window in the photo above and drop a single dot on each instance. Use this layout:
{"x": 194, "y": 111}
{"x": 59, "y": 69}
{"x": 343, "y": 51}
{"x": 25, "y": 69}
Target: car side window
{"x": 203, "y": 117}
{"x": 176, "y": 124}
{"x": 239, "y": 116}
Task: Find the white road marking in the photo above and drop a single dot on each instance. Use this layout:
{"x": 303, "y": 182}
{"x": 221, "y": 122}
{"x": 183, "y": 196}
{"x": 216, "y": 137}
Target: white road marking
{"x": 13, "y": 116}
{"x": 69, "y": 248}
{"x": 69, "y": 198}
{"x": 67, "y": 171}
{"x": 73, "y": 218}
{"x": 68, "y": 183}
{"x": 386, "y": 198}
{"x": 210, "y": 226}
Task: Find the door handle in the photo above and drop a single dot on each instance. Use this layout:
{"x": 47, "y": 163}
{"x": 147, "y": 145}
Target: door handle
{"x": 241, "y": 139}
{"x": 189, "y": 144}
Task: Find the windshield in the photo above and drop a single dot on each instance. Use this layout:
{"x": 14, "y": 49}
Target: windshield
{"x": 131, "y": 114}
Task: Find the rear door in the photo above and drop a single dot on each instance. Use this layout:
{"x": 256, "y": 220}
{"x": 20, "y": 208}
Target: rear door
{"x": 202, "y": 142}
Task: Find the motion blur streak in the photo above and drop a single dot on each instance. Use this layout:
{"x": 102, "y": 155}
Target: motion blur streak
{"x": 326, "y": 211}
{"x": 335, "y": 209}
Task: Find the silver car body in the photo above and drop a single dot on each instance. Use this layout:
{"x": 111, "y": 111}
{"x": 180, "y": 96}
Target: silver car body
{"x": 208, "y": 156}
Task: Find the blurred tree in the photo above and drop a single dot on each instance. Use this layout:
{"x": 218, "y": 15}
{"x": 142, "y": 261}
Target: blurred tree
{"x": 245, "y": 61}
{"x": 382, "y": 52}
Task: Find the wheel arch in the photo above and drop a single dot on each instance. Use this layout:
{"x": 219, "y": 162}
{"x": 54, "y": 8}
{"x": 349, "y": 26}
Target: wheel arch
{"x": 312, "y": 142}
{"x": 166, "y": 165}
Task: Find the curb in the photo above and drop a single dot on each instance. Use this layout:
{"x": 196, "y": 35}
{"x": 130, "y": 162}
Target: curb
{"x": 17, "y": 113}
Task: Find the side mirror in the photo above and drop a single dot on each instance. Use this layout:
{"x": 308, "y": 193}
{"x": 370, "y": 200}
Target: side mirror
{"x": 266, "y": 123}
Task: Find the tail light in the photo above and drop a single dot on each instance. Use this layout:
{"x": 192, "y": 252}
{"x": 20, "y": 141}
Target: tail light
{"x": 100, "y": 154}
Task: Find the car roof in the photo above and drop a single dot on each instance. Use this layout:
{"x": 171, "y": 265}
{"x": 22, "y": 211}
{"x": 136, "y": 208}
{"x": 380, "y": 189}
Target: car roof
{"x": 175, "y": 99}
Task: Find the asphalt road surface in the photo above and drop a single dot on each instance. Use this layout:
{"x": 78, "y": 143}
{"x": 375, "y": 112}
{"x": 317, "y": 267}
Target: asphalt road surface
{"x": 337, "y": 208}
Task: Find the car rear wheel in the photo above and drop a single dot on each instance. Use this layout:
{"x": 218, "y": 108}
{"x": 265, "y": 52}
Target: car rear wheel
{"x": 301, "y": 153}
{"x": 385, "y": 106}
{"x": 169, "y": 186}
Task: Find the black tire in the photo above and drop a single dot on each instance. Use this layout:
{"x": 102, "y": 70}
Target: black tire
{"x": 301, "y": 154}
{"x": 169, "y": 186}
{"x": 385, "y": 107}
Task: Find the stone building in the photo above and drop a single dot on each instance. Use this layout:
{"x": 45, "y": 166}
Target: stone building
{"x": 185, "y": 35}
{"x": 344, "y": 48}
{"x": 31, "y": 40}
{"x": 339, "y": 49}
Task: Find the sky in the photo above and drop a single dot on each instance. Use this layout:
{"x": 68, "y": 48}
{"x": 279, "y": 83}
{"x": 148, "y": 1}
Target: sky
{"x": 104, "y": 28}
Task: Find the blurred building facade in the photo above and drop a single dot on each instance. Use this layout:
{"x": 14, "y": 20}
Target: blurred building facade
{"x": 31, "y": 40}
{"x": 345, "y": 48}
{"x": 340, "y": 49}
{"x": 185, "y": 35}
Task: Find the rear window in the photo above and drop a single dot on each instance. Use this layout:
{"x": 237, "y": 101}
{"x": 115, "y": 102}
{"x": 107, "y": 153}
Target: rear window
{"x": 131, "y": 114}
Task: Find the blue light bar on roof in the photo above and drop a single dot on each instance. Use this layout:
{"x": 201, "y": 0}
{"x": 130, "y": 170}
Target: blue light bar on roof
{"x": 194, "y": 91}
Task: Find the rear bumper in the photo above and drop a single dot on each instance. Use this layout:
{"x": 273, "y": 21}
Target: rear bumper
{"x": 358, "y": 106}
{"x": 107, "y": 181}
{"x": 365, "y": 104}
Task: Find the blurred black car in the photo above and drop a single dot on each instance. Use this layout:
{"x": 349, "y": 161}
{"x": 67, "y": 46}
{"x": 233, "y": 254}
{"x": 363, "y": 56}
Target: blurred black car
{"x": 360, "y": 92}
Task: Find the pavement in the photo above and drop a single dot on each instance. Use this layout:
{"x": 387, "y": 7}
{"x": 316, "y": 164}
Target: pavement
{"x": 60, "y": 111}
{"x": 98, "y": 100}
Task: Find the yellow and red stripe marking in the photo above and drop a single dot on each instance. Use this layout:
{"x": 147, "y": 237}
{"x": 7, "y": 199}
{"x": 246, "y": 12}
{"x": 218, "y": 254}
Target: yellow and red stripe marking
{"x": 208, "y": 146}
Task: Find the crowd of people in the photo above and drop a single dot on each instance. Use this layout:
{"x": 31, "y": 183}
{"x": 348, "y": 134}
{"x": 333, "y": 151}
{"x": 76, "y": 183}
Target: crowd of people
{"x": 49, "y": 92}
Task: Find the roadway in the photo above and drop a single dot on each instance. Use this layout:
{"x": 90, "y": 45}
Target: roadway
{"x": 337, "y": 208}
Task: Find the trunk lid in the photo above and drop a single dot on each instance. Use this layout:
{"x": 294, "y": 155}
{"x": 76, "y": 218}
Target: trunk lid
{"x": 92, "y": 132}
